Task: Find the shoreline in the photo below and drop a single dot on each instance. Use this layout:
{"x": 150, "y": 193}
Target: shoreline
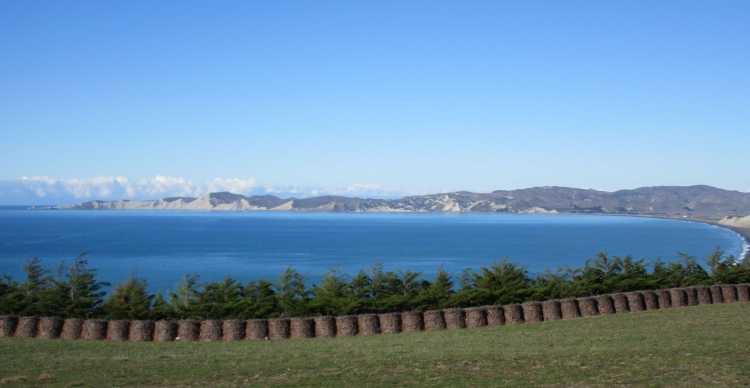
{"x": 744, "y": 233}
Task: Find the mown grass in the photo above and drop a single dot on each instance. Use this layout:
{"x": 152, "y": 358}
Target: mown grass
{"x": 696, "y": 346}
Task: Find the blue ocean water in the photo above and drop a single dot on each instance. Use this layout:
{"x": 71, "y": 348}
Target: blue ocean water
{"x": 163, "y": 246}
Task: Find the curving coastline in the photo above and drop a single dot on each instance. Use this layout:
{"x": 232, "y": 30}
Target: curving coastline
{"x": 743, "y": 233}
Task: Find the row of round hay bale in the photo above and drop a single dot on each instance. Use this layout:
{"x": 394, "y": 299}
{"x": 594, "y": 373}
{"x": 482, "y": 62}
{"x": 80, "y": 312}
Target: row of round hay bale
{"x": 368, "y": 324}
{"x": 716, "y": 295}
{"x": 210, "y": 331}
{"x": 390, "y": 323}
{"x": 678, "y": 297}
{"x": 743, "y": 293}
{"x": 665, "y": 299}
{"x": 118, "y": 330}
{"x": 434, "y": 320}
{"x": 8, "y": 326}
{"x": 300, "y": 328}
{"x": 495, "y": 315}
{"x": 165, "y": 331}
{"x": 94, "y": 330}
{"x": 49, "y": 328}
{"x": 325, "y": 327}
{"x": 454, "y": 319}
{"x": 278, "y": 329}
{"x": 26, "y": 327}
{"x": 532, "y": 312}
{"x": 635, "y": 301}
{"x": 605, "y": 305}
{"x": 71, "y": 329}
{"x": 141, "y": 331}
{"x": 621, "y": 303}
{"x": 650, "y": 300}
{"x": 692, "y": 296}
{"x": 233, "y": 329}
{"x": 551, "y": 310}
{"x": 704, "y": 295}
{"x": 188, "y": 330}
{"x": 729, "y": 292}
{"x": 411, "y": 322}
{"x": 476, "y": 317}
{"x": 587, "y": 307}
{"x": 346, "y": 326}
{"x": 569, "y": 309}
{"x": 513, "y": 314}
{"x": 256, "y": 329}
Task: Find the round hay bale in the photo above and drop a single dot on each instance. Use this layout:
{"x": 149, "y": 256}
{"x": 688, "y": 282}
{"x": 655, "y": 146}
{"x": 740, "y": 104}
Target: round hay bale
{"x": 301, "y": 328}
{"x": 49, "y": 328}
{"x": 692, "y": 295}
{"x": 26, "y": 327}
{"x": 390, "y": 323}
{"x": 454, "y": 319}
{"x": 513, "y": 314}
{"x": 678, "y": 297}
{"x": 412, "y": 321}
{"x": 650, "y": 300}
{"x": 256, "y": 329}
{"x": 605, "y": 305}
{"x": 434, "y": 320}
{"x": 743, "y": 293}
{"x": 118, "y": 330}
{"x": 716, "y": 295}
{"x": 635, "y": 301}
{"x": 368, "y": 324}
{"x": 621, "y": 303}
{"x": 233, "y": 330}
{"x": 495, "y": 315}
{"x": 346, "y": 326}
{"x": 278, "y": 328}
{"x": 532, "y": 312}
{"x": 188, "y": 330}
{"x": 210, "y": 331}
{"x": 165, "y": 331}
{"x": 8, "y": 326}
{"x": 729, "y": 292}
{"x": 72, "y": 328}
{"x": 587, "y": 307}
{"x": 476, "y": 317}
{"x": 569, "y": 308}
{"x": 551, "y": 310}
{"x": 94, "y": 330}
{"x": 141, "y": 331}
{"x": 325, "y": 327}
{"x": 665, "y": 299}
{"x": 704, "y": 295}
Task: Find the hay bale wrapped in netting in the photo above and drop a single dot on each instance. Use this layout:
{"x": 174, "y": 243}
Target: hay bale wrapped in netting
{"x": 141, "y": 331}
{"x": 411, "y": 321}
{"x": 569, "y": 308}
{"x": 587, "y": 307}
{"x": 26, "y": 327}
{"x": 8, "y": 326}
{"x": 434, "y": 320}
{"x": 605, "y": 305}
{"x": 729, "y": 292}
{"x": 325, "y": 327}
{"x": 49, "y": 328}
{"x": 678, "y": 297}
{"x": 368, "y": 324}
{"x": 301, "y": 328}
{"x": 210, "y": 330}
{"x": 743, "y": 293}
{"x": 390, "y": 323}
{"x": 475, "y": 317}
{"x": 635, "y": 301}
{"x": 513, "y": 314}
{"x": 495, "y": 315}
{"x": 532, "y": 312}
{"x": 650, "y": 299}
{"x": 72, "y": 328}
{"x": 94, "y": 330}
{"x": 621, "y": 303}
{"x": 692, "y": 296}
{"x": 704, "y": 295}
{"x": 278, "y": 328}
{"x": 165, "y": 331}
{"x": 118, "y": 330}
{"x": 454, "y": 319}
{"x": 551, "y": 310}
{"x": 716, "y": 295}
{"x": 346, "y": 326}
{"x": 233, "y": 329}
{"x": 188, "y": 330}
{"x": 256, "y": 329}
{"x": 665, "y": 299}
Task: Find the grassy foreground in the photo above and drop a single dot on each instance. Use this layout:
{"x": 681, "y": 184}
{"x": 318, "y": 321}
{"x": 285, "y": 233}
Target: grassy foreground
{"x": 695, "y": 346}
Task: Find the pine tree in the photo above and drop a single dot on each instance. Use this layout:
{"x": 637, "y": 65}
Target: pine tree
{"x": 185, "y": 300}
{"x": 129, "y": 300}
{"x": 291, "y": 294}
{"x": 259, "y": 300}
{"x": 76, "y": 294}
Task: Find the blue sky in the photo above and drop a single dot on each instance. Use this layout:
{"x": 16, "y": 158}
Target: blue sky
{"x": 102, "y": 99}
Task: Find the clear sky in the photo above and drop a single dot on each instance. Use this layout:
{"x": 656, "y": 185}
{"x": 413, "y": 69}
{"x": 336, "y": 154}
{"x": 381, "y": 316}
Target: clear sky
{"x": 105, "y": 99}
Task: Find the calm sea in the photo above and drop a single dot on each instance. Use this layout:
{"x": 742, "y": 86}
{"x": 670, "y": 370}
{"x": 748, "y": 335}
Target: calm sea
{"x": 163, "y": 246}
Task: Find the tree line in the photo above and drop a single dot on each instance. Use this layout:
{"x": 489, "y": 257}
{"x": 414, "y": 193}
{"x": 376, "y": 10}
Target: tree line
{"x": 73, "y": 291}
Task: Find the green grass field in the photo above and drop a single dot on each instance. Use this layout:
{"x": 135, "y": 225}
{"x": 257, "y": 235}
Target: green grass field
{"x": 695, "y": 346}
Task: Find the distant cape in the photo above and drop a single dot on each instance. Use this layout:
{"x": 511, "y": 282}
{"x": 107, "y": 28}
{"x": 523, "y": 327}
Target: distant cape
{"x": 668, "y": 200}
